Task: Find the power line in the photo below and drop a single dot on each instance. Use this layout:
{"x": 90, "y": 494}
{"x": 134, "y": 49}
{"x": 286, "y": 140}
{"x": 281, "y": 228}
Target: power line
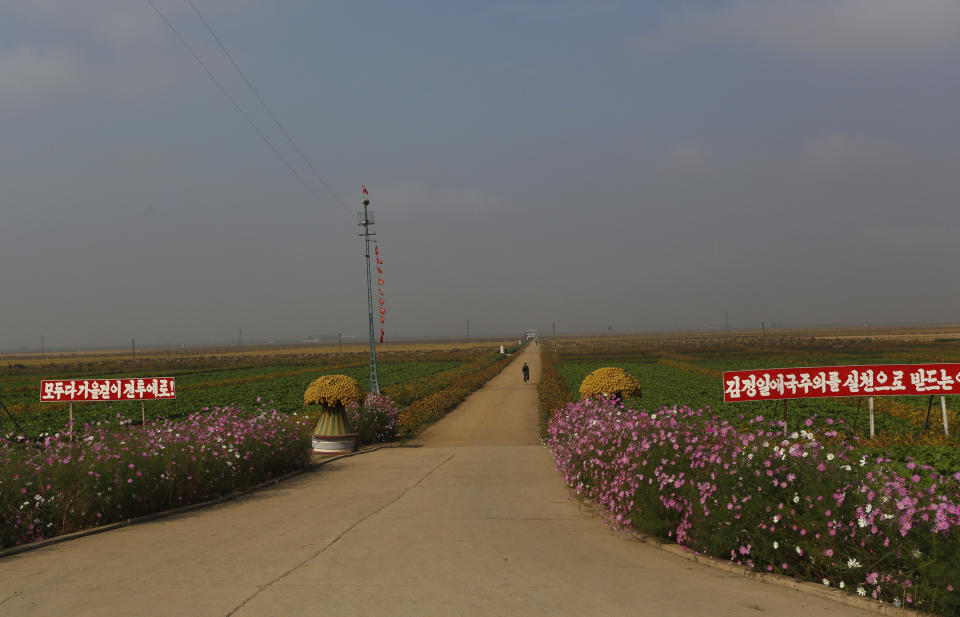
{"x": 235, "y": 104}
{"x": 273, "y": 116}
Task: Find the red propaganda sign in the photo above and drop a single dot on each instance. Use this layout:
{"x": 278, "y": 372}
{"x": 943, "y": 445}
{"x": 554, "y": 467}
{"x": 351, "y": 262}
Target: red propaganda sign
{"x": 822, "y": 381}
{"x": 148, "y": 388}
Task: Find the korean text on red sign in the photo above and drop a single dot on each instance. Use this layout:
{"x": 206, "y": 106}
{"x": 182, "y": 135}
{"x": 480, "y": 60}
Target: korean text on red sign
{"x": 822, "y": 381}
{"x": 148, "y": 388}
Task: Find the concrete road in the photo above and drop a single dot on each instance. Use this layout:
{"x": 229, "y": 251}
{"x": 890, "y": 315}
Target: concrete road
{"x": 472, "y": 519}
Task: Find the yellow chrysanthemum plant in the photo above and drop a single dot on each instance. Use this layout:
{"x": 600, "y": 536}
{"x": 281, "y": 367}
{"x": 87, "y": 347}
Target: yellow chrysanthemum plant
{"x": 610, "y": 381}
{"x": 333, "y": 393}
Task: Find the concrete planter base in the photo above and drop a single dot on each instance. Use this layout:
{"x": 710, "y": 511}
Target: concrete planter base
{"x": 335, "y": 444}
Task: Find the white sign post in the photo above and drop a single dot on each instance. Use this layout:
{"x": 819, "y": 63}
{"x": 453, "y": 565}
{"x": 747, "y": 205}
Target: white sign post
{"x": 943, "y": 407}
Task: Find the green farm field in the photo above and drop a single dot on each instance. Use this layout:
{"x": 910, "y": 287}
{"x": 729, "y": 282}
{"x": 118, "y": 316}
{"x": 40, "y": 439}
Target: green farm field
{"x": 218, "y": 379}
{"x": 687, "y": 370}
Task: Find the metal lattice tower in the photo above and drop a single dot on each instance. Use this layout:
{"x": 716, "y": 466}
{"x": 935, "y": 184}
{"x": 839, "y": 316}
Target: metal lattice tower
{"x": 365, "y": 220}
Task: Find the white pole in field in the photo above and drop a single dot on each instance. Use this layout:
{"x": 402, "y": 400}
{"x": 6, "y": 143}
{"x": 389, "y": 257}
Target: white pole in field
{"x": 143, "y": 416}
{"x": 871, "y": 417}
{"x": 71, "y": 421}
{"x": 943, "y": 407}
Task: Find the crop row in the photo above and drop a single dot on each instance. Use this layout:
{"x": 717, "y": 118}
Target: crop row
{"x": 432, "y": 407}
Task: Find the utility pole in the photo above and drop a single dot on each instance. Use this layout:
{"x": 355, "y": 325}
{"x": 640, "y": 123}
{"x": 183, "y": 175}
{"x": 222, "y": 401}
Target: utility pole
{"x": 133, "y": 347}
{"x": 240, "y": 339}
{"x": 365, "y": 219}
{"x": 41, "y": 344}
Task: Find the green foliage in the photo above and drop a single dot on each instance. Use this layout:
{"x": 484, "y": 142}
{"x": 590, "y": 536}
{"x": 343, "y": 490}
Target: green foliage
{"x": 945, "y": 459}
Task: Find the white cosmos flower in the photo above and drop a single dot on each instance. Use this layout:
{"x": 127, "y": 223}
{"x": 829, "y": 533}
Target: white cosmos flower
{"x": 826, "y": 582}
{"x": 776, "y": 544}
{"x": 853, "y": 563}
{"x": 861, "y": 591}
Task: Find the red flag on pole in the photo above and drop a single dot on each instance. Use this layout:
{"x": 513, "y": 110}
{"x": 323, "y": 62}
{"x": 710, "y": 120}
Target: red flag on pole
{"x": 383, "y": 311}
{"x": 364, "y": 190}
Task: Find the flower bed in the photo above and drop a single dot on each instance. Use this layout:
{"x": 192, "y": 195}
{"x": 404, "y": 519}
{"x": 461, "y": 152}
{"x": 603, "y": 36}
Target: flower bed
{"x": 115, "y": 471}
{"x": 803, "y": 504}
{"x": 375, "y": 420}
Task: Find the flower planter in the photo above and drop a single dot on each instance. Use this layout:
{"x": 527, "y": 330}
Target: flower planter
{"x": 332, "y": 435}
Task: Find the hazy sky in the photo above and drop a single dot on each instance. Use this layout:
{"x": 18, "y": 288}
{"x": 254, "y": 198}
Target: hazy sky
{"x": 640, "y": 165}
